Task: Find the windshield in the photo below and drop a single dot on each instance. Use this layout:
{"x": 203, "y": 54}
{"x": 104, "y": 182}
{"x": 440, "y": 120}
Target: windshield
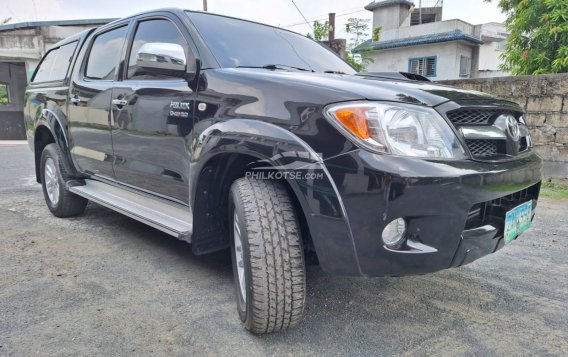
{"x": 239, "y": 43}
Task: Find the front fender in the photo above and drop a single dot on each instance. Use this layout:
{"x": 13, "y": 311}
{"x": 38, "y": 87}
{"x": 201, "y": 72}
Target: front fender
{"x": 278, "y": 150}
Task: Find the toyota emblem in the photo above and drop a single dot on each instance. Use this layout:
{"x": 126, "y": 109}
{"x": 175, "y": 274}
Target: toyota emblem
{"x": 513, "y": 128}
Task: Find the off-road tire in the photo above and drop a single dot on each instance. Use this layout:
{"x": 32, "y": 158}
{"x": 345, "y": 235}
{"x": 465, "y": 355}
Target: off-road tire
{"x": 69, "y": 204}
{"x": 272, "y": 254}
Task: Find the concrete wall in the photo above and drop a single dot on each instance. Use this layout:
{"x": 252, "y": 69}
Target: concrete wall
{"x": 427, "y": 29}
{"x": 545, "y": 101}
{"x": 448, "y": 58}
{"x": 391, "y": 17}
{"x": 29, "y": 45}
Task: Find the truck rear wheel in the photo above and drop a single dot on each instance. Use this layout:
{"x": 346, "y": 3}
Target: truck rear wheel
{"x": 267, "y": 255}
{"x": 60, "y": 202}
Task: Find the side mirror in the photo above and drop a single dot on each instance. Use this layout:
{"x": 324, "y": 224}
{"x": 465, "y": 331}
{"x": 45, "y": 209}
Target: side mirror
{"x": 162, "y": 58}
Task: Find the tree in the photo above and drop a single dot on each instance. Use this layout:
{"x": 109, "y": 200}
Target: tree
{"x": 538, "y": 42}
{"x": 359, "y": 31}
{"x": 321, "y": 31}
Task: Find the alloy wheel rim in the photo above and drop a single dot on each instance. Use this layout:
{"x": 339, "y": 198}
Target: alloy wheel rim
{"x": 239, "y": 258}
{"x": 51, "y": 182}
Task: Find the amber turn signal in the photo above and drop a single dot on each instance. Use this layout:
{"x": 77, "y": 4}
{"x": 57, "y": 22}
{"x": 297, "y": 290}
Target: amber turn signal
{"x": 354, "y": 120}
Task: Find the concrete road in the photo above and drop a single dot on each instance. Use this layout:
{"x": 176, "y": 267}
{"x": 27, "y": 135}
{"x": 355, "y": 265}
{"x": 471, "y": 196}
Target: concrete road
{"x": 103, "y": 284}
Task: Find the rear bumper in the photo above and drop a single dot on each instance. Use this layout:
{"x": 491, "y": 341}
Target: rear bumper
{"x": 448, "y": 207}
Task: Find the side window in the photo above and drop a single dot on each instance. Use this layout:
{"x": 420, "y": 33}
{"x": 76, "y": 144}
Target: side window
{"x": 4, "y": 94}
{"x": 105, "y": 54}
{"x": 465, "y": 66}
{"x": 149, "y": 31}
{"x": 425, "y": 66}
{"x": 55, "y": 64}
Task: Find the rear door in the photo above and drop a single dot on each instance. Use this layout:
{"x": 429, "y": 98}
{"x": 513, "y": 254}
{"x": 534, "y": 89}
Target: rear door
{"x": 152, "y": 116}
{"x": 90, "y": 97}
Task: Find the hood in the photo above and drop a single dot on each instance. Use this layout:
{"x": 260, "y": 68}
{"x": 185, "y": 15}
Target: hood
{"x": 359, "y": 87}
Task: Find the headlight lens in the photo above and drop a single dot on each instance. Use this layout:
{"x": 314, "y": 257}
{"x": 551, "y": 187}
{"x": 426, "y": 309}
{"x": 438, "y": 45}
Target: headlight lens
{"x": 397, "y": 129}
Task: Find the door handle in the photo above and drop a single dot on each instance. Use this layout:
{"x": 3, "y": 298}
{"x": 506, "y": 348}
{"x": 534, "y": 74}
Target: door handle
{"x": 75, "y": 100}
{"x": 119, "y": 102}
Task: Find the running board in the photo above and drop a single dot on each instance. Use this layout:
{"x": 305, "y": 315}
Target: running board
{"x": 171, "y": 218}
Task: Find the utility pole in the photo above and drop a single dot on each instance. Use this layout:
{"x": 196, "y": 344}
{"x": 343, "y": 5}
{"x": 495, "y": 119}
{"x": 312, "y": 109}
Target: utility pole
{"x": 331, "y": 35}
{"x": 420, "y": 11}
{"x": 204, "y": 5}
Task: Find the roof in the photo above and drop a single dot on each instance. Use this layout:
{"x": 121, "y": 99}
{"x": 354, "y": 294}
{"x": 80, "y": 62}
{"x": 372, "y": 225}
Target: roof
{"x": 455, "y": 35}
{"x": 30, "y": 24}
{"x": 377, "y": 4}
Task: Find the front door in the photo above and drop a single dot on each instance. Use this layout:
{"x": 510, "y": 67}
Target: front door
{"x": 90, "y": 100}
{"x": 152, "y": 119}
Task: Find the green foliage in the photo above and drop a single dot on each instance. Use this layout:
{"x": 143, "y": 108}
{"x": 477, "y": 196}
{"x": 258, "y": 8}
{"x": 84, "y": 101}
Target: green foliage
{"x": 376, "y": 32}
{"x": 361, "y": 63}
{"x": 3, "y": 94}
{"x": 554, "y": 190}
{"x": 359, "y": 30}
{"x": 321, "y": 31}
{"x": 539, "y": 36}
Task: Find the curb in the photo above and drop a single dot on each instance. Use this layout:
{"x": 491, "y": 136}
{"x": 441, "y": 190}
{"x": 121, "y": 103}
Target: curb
{"x": 4, "y": 143}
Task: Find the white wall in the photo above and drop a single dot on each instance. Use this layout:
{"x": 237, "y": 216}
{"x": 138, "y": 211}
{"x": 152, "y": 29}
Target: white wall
{"x": 391, "y": 17}
{"x": 489, "y": 57}
{"x": 427, "y": 29}
{"x": 447, "y": 53}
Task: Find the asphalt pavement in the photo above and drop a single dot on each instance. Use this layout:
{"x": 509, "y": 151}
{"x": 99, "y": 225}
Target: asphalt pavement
{"x": 103, "y": 284}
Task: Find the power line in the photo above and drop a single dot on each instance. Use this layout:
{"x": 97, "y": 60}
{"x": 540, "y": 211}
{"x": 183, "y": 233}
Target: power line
{"x": 323, "y": 18}
{"x": 297, "y": 8}
{"x": 14, "y": 14}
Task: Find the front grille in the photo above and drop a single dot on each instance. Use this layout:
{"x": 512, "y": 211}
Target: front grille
{"x": 471, "y": 116}
{"x": 523, "y": 144}
{"x": 483, "y": 148}
{"x": 493, "y": 212}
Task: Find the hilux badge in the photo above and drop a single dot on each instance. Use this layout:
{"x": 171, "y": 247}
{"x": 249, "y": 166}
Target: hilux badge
{"x": 513, "y": 127}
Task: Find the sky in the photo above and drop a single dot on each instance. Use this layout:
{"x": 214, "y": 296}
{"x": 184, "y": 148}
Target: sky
{"x": 280, "y": 13}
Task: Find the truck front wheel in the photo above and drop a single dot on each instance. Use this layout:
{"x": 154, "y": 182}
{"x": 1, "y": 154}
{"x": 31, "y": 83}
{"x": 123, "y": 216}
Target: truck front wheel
{"x": 267, "y": 255}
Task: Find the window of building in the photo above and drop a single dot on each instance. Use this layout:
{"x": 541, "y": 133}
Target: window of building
{"x": 105, "y": 54}
{"x": 465, "y": 66}
{"x": 424, "y": 66}
{"x": 4, "y": 94}
{"x": 501, "y": 45}
{"x": 55, "y": 64}
{"x": 162, "y": 31}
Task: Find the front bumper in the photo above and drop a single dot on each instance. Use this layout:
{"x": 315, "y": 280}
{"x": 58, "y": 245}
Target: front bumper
{"x": 448, "y": 207}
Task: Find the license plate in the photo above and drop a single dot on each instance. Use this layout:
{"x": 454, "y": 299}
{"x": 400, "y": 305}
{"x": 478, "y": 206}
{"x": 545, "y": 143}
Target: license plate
{"x": 517, "y": 221}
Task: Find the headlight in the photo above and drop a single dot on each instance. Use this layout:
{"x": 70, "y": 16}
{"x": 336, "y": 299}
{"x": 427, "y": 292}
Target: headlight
{"x": 397, "y": 129}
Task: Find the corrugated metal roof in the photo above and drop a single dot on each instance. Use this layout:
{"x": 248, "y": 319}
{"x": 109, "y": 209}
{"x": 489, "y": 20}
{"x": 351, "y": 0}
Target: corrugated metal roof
{"x": 455, "y": 35}
{"x": 30, "y": 24}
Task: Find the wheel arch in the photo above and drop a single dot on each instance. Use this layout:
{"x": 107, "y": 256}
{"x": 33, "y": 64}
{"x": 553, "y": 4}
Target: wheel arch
{"x": 211, "y": 200}
{"x": 49, "y": 129}
{"x": 224, "y": 151}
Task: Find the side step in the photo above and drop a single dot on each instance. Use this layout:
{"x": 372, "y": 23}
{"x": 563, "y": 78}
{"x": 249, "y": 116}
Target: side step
{"x": 171, "y": 218}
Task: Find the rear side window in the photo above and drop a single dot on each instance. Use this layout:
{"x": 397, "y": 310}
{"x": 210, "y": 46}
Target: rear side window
{"x": 55, "y": 64}
{"x": 105, "y": 54}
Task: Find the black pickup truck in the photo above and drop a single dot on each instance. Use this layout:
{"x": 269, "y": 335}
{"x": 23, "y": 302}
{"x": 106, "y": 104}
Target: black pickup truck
{"x": 227, "y": 133}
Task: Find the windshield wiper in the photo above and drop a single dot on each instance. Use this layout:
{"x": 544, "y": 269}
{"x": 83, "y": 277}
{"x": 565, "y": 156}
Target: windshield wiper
{"x": 334, "y": 72}
{"x": 278, "y": 66}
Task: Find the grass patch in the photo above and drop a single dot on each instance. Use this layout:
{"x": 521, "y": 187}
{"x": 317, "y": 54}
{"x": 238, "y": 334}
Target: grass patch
{"x": 554, "y": 190}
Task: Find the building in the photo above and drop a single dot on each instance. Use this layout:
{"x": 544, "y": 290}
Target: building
{"x": 417, "y": 40}
{"x": 21, "y": 47}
